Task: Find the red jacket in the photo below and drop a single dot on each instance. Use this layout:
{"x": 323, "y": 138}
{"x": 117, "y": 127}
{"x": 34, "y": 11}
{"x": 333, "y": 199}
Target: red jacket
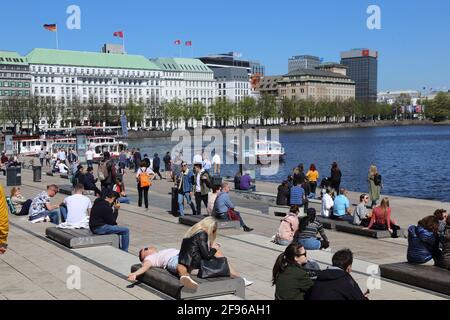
{"x": 379, "y": 217}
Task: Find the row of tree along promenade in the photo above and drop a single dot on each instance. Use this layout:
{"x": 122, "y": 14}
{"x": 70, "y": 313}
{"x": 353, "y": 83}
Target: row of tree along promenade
{"x": 26, "y": 113}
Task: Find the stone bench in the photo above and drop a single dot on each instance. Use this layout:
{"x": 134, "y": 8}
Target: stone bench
{"x": 165, "y": 282}
{"x": 357, "y": 230}
{"x": 190, "y": 220}
{"x": 80, "y": 238}
{"x": 67, "y": 189}
{"x": 330, "y": 223}
{"x": 64, "y": 176}
{"x": 256, "y": 196}
{"x": 422, "y": 276}
{"x": 282, "y": 211}
{"x": 50, "y": 173}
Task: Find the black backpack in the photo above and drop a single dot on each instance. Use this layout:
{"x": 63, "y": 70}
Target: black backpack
{"x": 377, "y": 179}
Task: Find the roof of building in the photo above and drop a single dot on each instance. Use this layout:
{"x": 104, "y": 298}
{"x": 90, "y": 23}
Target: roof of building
{"x": 181, "y": 65}
{"x": 332, "y": 65}
{"x": 230, "y": 74}
{"x": 316, "y": 73}
{"x": 89, "y": 59}
{"x": 11, "y": 57}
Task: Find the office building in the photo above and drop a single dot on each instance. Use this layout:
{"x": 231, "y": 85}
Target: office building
{"x": 362, "y": 67}
{"x": 303, "y": 62}
{"x": 15, "y": 78}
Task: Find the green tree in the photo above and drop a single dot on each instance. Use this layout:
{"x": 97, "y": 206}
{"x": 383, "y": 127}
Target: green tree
{"x": 438, "y": 109}
{"x": 222, "y": 110}
{"x": 267, "y": 108}
{"x": 248, "y": 109}
{"x": 172, "y": 112}
{"x": 198, "y": 111}
{"x": 134, "y": 112}
{"x": 289, "y": 110}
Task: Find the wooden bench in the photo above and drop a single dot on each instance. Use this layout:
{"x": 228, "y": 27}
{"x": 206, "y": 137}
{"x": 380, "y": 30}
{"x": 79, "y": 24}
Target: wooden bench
{"x": 190, "y": 220}
{"x": 167, "y": 283}
{"x": 80, "y": 238}
{"x": 422, "y": 276}
{"x": 282, "y": 211}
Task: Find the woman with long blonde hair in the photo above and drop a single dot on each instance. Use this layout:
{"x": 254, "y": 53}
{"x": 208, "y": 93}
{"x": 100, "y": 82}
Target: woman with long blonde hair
{"x": 375, "y": 185}
{"x": 381, "y": 219}
{"x": 199, "y": 243}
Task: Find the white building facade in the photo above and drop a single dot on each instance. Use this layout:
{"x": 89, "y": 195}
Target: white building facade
{"x": 63, "y": 77}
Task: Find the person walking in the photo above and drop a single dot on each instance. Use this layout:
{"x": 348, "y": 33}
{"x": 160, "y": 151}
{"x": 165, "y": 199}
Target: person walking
{"x": 335, "y": 177}
{"x": 144, "y": 177}
{"x": 375, "y": 185}
{"x": 156, "y": 165}
{"x": 184, "y": 184}
{"x": 137, "y": 158}
{"x": 168, "y": 166}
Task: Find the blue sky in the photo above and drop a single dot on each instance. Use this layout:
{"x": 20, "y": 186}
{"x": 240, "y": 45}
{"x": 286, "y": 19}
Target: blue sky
{"x": 413, "y": 43}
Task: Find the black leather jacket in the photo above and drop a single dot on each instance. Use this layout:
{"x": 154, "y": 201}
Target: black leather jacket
{"x": 195, "y": 249}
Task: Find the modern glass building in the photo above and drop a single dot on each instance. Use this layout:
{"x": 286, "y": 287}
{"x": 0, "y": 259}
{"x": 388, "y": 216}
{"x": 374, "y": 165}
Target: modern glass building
{"x": 362, "y": 67}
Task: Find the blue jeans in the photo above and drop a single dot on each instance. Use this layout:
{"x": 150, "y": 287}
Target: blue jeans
{"x": 345, "y": 217}
{"x": 310, "y": 243}
{"x": 53, "y": 215}
{"x": 90, "y": 163}
{"x": 172, "y": 265}
{"x": 123, "y": 232}
{"x": 283, "y": 242}
{"x": 124, "y": 200}
{"x": 186, "y": 195}
{"x": 252, "y": 188}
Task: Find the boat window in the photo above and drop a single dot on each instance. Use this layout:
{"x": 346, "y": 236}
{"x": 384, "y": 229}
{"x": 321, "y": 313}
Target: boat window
{"x": 24, "y": 144}
{"x": 98, "y": 150}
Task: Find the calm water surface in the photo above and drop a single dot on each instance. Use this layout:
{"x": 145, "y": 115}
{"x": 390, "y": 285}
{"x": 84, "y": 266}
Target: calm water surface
{"x": 413, "y": 161}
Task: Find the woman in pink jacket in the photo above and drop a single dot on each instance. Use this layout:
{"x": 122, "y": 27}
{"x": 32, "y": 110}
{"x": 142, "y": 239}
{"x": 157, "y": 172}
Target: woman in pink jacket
{"x": 288, "y": 227}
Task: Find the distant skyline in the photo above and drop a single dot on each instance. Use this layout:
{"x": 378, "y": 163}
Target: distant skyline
{"x": 413, "y": 42}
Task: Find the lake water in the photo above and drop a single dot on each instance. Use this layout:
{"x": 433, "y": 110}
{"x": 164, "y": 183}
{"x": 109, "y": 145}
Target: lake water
{"x": 414, "y": 161}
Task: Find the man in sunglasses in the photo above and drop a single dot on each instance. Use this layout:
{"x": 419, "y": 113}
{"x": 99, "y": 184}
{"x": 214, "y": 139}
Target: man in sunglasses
{"x": 41, "y": 210}
{"x": 152, "y": 258}
{"x": 362, "y": 215}
{"x": 184, "y": 184}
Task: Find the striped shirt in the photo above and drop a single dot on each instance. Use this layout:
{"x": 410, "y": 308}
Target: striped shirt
{"x": 311, "y": 231}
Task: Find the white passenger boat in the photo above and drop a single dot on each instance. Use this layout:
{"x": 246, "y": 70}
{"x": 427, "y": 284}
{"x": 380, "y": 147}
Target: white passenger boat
{"x": 264, "y": 150}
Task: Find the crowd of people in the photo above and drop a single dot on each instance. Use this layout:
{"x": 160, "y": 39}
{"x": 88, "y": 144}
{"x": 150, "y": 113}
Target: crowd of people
{"x": 294, "y": 275}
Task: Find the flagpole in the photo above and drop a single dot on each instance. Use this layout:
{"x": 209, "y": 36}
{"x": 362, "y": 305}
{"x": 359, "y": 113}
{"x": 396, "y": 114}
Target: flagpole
{"x": 123, "y": 42}
{"x": 57, "y": 42}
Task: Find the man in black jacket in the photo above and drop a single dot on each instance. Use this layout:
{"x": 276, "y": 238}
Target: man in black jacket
{"x": 336, "y": 283}
{"x": 103, "y": 219}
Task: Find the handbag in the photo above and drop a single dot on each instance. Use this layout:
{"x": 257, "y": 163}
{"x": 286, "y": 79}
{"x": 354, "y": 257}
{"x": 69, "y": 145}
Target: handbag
{"x": 232, "y": 216}
{"x": 214, "y": 268}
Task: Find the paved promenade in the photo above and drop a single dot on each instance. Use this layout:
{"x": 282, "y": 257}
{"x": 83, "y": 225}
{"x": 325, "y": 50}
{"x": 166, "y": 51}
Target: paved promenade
{"x": 36, "y": 268}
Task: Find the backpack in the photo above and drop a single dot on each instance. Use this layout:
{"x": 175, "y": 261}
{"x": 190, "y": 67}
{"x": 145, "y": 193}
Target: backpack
{"x": 102, "y": 171}
{"x": 377, "y": 179}
{"x": 144, "y": 179}
{"x": 11, "y": 207}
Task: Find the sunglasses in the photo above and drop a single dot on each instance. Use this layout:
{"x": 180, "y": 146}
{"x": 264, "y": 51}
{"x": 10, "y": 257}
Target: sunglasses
{"x": 302, "y": 254}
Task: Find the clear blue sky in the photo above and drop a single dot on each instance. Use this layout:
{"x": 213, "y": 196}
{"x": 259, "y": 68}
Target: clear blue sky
{"x": 413, "y": 43}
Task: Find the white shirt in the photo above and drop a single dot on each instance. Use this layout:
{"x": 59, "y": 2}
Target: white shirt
{"x": 198, "y": 159}
{"x": 197, "y": 185}
{"x": 89, "y": 155}
{"x": 77, "y": 208}
{"x": 62, "y": 168}
{"x": 62, "y": 155}
{"x": 206, "y": 164}
{"x": 327, "y": 203}
{"x": 216, "y": 159}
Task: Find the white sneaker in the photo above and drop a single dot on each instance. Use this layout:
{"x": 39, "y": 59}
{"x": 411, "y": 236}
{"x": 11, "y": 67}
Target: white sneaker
{"x": 247, "y": 282}
{"x": 187, "y": 282}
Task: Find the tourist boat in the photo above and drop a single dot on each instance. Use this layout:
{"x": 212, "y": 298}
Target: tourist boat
{"x": 32, "y": 145}
{"x": 265, "y": 150}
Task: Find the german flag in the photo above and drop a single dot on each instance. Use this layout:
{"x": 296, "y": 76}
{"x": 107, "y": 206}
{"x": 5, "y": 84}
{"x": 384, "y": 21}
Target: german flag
{"x": 51, "y": 27}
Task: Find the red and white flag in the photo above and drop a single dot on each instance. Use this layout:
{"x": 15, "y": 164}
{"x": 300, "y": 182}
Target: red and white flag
{"x": 188, "y": 43}
{"x": 118, "y": 34}
{"x": 177, "y": 42}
